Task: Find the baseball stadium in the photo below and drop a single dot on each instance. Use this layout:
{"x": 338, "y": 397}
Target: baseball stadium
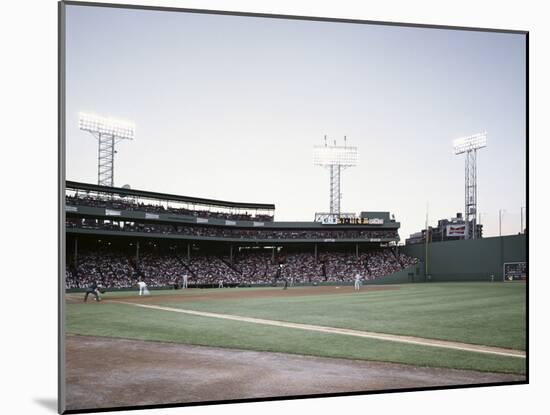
{"x": 216, "y": 276}
{"x": 242, "y": 306}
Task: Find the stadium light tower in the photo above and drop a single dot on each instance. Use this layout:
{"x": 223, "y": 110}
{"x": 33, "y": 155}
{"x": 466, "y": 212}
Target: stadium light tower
{"x": 336, "y": 158}
{"x": 108, "y": 132}
{"x": 469, "y": 146}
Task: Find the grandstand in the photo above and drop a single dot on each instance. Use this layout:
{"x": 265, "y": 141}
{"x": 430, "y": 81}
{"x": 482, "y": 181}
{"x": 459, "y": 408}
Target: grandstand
{"x": 116, "y": 236}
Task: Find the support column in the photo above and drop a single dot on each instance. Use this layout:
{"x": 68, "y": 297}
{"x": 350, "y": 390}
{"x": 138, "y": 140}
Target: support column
{"x": 356, "y": 250}
{"x": 75, "y": 253}
{"x": 137, "y": 253}
{"x": 188, "y": 252}
{"x": 273, "y": 255}
{"x": 231, "y": 254}
{"x": 315, "y": 251}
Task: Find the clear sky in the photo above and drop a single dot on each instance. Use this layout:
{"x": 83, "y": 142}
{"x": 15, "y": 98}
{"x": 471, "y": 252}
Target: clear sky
{"x": 230, "y": 108}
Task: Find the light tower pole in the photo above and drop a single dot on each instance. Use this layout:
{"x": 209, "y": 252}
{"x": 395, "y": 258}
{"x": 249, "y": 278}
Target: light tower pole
{"x": 108, "y": 132}
{"x": 469, "y": 146}
{"x": 481, "y": 215}
{"x": 336, "y": 158}
{"x": 500, "y": 212}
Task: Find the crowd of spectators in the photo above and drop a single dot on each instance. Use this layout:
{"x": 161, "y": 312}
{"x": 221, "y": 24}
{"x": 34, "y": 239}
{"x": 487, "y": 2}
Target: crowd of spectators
{"x": 380, "y": 263}
{"x": 159, "y": 270}
{"x": 339, "y": 266}
{"x": 116, "y": 270}
{"x": 129, "y": 203}
{"x": 105, "y": 268}
{"x": 300, "y": 267}
{"x": 210, "y": 269}
{"x": 230, "y": 232}
{"x": 406, "y": 261}
{"x": 227, "y": 232}
{"x": 255, "y": 267}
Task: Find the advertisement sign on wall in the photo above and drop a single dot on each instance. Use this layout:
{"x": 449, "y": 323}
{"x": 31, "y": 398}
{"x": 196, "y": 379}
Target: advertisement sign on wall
{"x": 456, "y": 230}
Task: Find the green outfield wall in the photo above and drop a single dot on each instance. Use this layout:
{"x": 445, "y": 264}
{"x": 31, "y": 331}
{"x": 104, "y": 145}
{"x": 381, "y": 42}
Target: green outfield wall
{"x": 411, "y": 274}
{"x": 470, "y": 260}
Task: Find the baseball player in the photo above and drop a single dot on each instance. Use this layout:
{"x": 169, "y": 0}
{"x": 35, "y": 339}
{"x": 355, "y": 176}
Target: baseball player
{"x": 93, "y": 289}
{"x": 280, "y": 274}
{"x": 220, "y": 284}
{"x": 185, "y": 277}
{"x": 357, "y": 286}
{"x": 143, "y": 290}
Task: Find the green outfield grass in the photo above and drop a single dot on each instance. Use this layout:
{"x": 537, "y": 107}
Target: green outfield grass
{"x": 481, "y": 313}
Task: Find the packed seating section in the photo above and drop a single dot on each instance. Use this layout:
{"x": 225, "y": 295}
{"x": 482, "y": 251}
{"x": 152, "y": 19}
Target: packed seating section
{"x": 113, "y": 269}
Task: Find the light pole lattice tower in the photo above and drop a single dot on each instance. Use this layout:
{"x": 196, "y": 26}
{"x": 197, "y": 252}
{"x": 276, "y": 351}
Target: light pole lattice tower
{"x": 108, "y": 132}
{"x": 469, "y": 146}
{"x": 335, "y": 158}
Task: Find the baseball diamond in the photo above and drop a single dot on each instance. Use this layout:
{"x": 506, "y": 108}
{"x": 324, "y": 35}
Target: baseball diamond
{"x": 187, "y": 351}
{"x": 197, "y": 300}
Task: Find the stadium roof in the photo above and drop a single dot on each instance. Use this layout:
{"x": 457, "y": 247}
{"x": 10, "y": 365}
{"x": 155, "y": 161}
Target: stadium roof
{"x": 166, "y": 196}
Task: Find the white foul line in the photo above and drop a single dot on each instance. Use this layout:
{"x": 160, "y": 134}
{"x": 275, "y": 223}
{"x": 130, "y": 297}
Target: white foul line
{"x": 348, "y": 332}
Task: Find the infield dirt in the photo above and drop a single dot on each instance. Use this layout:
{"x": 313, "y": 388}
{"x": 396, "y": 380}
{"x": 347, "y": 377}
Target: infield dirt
{"x": 194, "y": 294}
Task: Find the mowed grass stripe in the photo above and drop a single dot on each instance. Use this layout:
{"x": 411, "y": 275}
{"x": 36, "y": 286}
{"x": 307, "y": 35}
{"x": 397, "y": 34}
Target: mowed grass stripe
{"x": 347, "y": 332}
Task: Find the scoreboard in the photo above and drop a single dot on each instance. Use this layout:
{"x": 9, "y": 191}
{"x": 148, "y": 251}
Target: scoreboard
{"x": 346, "y": 219}
{"x": 360, "y": 221}
{"x": 514, "y": 271}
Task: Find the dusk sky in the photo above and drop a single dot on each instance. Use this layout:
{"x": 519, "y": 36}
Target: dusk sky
{"x": 230, "y": 108}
